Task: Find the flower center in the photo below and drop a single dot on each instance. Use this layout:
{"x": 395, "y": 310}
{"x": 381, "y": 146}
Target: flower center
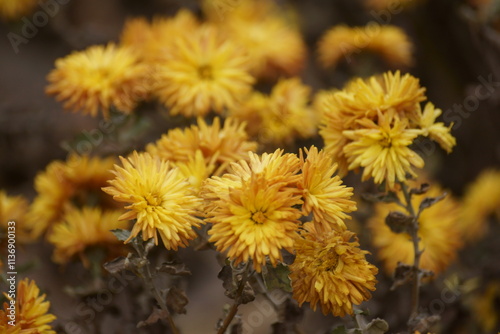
{"x": 205, "y": 72}
{"x": 258, "y": 217}
{"x": 152, "y": 199}
{"x": 327, "y": 259}
{"x": 386, "y": 140}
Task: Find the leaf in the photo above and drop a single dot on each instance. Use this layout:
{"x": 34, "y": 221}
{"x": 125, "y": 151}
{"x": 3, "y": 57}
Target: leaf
{"x": 376, "y": 326}
{"x": 339, "y": 330}
{"x": 116, "y": 265}
{"x": 389, "y": 197}
{"x": 121, "y": 234}
{"x": 177, "y": 300}
{"x": 424, "y": 187}
{"x": 231, "y": 283}
{"x": 153, "y": 318}
{"x": 402, "y": 275}
{"x": 428, "y": 201}
{"x": 277, "y": 278}
{"x": 174, "y": 269}
{"x": 399, "y": 222}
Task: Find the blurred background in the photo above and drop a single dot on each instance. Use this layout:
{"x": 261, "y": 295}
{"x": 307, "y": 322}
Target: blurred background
{"x": 457, "y": 50}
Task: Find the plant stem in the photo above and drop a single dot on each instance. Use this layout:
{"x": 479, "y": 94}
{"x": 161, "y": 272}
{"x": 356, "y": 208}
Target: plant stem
{"x": 237, "y": 302}
{"x": 416, "y": 258}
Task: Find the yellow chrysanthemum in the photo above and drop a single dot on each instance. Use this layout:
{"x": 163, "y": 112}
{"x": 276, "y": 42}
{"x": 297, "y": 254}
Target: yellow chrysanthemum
{"x": 76, "y": 182}
{"x": 14, "y": 209}
{"x": 324, "y": 195}
{"x": 98, "y": 79}
{"x": 481, "y": 199}
{"x": 31, "y": 311}
{"x": 282, "y": 116}
{"x": 82, "y": 229}
{"x": 436, "y": 131}
{"x": 438, "y": 232}
{"x": 485, "y": 308}
{"x": 218, "y": 145}
{"x": 204, "y": 72}
{"x": 159, "y": 197}
{"x": 331, "y": 270}
{"x": 14, "y": 10}
{"x": 262, "y": 29}
{"x": 252, "y": 209}
{"x": 383, "y": 149}
{"x": 153, "y": 41}
{"x": 196, "y": 170}
{"x": 389, "y": 42}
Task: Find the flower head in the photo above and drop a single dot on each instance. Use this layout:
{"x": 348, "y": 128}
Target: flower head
{"x": 383, "y": 150}
{"x": 481, "y": 199}
{"x": 252, "y": 209}
{"x": 204, "y": 72}
{"x": 14, "y": 10}
{"x": 82, "y": 229}
{"x": 31, "y": 311}
{"x": 159, "y": 197}
{"x": 220, "y": 146}
{"x": 14, "y": 208}
{"x": 98, "y": 79}
{"x": 324, "y": 195}
{"x": 262, "y": 29}
{"x": 389, "y": 42}
{"x": 436, "y": 130}
{"x": 438, "y": 232}
{"x": 331, "y": 270}
{"x": 75, "y": 182}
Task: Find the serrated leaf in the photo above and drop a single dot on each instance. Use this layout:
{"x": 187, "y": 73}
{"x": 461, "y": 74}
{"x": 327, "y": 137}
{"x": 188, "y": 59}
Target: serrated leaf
{"x": 177, "y": 300}
{"x": 153, "y": 318}
{"x": 424, "y": 187}
{"x": 231, "y": 283}
{"x": 175, "y": 269}
{"x": 399, "y": 222}
{"x": 428, "y": 201}
{"x": 121, "y": 234}
{"x": 277, "y": 278}
{"x": 376, "y": 326}
{"x": 116, "y": 265}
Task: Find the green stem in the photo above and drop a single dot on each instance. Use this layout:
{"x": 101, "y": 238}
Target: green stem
{"x": 237, "y": 302}
{"x": 415, "y": 293}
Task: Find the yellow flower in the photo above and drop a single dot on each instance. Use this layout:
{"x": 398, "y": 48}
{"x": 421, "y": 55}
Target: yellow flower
{"x": 31, "y": 311}
{"x": 152, "y": 41}
{"x": 262, "y": 29}
{"x": 75, "y": 182}
{"x": 436, "y": 131}
{"x": 14, "y": 10}
{"x": 485, "y": 308}
{"x": 196, "y": 170}
{"x": 324, "y": 195}
{"x": 14, "y": 208}
{"x": 481, "y": 199}
{"x": 252, "y": 210}
{"x": 218, "y": 145}
{"x": 98, "y": 79}
{"x": 82, "y": 229}
{"x": 203, "y": 72}
{"x": 159, "y": 197}
{"x": 331, "y": 270}
{"x": 438, "y": 232}
{"x": 383, "y": 150}
{"x": 389, "y": 42}
{"x": 282, "y": 116}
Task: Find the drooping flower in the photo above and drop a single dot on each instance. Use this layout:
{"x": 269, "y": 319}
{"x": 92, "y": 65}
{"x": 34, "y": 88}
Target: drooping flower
{"x": 218, "y": 145}
{"x": 481, "y": 199}
{"x": 383, "y": 149}
{"x": 75, "y": 182}
{"x": 324, "y": 194}
{"x": 159, "y": 197}
{"x": 82, "y": 229}
{"x": 204, "y": 72}
{"x": 331, "y": 270}
{"x": 31, "y": 311}
{"x": 342, "y": 42}
{"x": 262, "y": 29}
{"x": 252, "y": 209}
{"x": 100, "y": 78}
{"x": 14, "y": 209}
{"x": 439, "y": 234}
{"x": 14, "y": 10}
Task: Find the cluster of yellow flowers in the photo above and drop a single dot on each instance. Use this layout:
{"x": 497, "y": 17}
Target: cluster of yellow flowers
{"x": 372, "y": 123}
